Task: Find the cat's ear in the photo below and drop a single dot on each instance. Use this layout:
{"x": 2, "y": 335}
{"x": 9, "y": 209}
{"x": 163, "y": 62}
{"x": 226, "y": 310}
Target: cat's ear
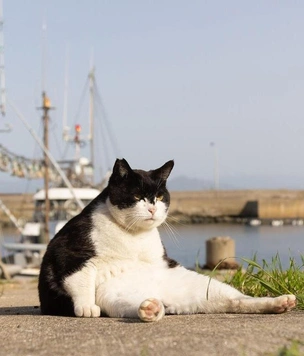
{"x": 121, "y": 168}
{"x": 164, "y": 171}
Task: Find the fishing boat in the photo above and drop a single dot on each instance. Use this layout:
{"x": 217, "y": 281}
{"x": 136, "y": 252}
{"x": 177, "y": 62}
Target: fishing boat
{"x": 68, "y": 187}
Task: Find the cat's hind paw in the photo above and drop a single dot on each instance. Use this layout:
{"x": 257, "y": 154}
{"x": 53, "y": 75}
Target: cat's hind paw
{"x": 151, "y": 310}
{"x": 87, "y": 311}
{"x": 284, "y": 303}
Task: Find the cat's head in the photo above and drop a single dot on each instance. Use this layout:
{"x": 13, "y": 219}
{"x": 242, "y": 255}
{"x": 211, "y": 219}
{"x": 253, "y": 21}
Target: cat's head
{"x": 138, "y": 200}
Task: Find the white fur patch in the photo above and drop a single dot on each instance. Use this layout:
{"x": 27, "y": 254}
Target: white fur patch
{"x": 142, "y": 216}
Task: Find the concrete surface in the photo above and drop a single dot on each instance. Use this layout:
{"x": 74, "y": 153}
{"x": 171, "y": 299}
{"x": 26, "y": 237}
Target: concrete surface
{"x": 23, "y": 331}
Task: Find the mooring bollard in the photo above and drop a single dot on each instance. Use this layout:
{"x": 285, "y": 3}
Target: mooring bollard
{"x": 221, "y": 248}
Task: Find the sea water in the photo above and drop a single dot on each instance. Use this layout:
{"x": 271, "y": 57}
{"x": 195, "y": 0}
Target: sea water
{"x": 187, "y": 243}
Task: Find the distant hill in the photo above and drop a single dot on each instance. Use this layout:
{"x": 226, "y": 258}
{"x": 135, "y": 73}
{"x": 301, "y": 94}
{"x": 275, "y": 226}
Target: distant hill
{"x": 187, "y": 183}
{"x": 238, "y": 182}
{"x": 10, "y": 184}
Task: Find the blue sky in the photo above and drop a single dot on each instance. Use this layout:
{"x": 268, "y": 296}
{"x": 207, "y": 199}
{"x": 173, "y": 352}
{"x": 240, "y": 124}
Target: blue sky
{"x": 174, "y": 76}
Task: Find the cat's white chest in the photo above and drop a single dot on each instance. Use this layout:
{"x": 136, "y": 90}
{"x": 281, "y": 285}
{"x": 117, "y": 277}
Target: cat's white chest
{"x": 119, "y": 251}
{"x": 113, "y": 242}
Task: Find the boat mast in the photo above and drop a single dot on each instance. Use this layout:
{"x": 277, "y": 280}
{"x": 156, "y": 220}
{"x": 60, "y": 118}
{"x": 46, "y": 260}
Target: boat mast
{"x": 91, "y": 116}
{"x": 65, "y": 129}
{"x": 46, "y": 106}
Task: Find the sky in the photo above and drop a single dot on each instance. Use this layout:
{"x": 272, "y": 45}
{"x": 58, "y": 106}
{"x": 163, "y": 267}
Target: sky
{"x": 174, "y": 76}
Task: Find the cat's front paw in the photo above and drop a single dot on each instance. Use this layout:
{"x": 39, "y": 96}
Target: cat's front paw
{"x": 284, "y": 303}
{"x": 151, "y": 310}
{"x": 87, "y": 311}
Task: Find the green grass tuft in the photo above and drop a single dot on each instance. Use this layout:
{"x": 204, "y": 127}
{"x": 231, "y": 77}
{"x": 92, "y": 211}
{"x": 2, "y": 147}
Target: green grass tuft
{"x": 292, "y": 350}
{"x": 270, "y": 279}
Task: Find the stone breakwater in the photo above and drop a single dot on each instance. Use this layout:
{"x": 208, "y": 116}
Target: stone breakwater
{"x": 203, "y": 206}
{"x": 237, "y": 205}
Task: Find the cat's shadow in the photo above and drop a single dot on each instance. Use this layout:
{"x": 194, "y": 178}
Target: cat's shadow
{"x": 35, "y": 310}
{"x": 130, "y": 321}
{"x": 26, "y": 310}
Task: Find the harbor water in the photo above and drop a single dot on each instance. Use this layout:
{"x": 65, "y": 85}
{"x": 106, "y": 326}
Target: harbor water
{"x": 186, "y": 244}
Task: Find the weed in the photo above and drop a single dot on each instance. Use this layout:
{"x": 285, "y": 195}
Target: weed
{"x": 270, "y": 279}
{"x": 292, "y": 350}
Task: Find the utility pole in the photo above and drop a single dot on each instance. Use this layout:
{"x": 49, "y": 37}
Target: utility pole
{"x": 46, "y": 106}
{"x": 216, "y": 167}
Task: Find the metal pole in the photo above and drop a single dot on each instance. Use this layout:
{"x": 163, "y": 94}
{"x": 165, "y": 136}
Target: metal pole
{"x": 91, "y": 115}
{"x": 46, "y": 107}
{"x": 216, "y": 167}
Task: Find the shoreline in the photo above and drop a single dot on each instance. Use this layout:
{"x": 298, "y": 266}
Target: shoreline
{"x": 260, "y": 207}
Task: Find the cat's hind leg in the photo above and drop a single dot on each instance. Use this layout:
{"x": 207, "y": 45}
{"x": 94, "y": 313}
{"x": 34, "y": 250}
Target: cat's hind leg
{"x": 251, "y": 305}
{"x": 131, "y": 306}
{"x": 187, "y": 292}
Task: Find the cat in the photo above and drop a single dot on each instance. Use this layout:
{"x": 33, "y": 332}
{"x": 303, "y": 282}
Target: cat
{"x": 109, "y": 260}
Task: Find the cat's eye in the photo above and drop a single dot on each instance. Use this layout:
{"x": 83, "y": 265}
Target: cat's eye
{"x": 160, "y": 197}
{"x": 136, "y": 197}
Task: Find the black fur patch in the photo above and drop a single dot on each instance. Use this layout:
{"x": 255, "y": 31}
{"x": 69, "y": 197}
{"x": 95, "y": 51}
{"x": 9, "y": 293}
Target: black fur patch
{"x": 126, "y": 186}
{"x": 170, "y": 262}
{"x": 66, "y": 254}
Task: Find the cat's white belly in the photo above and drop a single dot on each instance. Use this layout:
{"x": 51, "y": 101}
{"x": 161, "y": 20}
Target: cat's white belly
{"x": 139, "y": 279}
{"x": 120, "y": 287}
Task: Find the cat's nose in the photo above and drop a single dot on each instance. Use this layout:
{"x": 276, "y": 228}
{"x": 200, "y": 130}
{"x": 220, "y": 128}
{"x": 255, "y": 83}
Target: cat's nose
{"x": 152, "y": 209}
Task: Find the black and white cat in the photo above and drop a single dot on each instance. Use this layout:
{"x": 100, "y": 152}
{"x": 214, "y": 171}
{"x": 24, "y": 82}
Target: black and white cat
{"x": 110, "y": 260}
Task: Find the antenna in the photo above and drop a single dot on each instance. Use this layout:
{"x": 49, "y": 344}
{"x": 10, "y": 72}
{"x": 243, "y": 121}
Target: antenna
{"x": 44, "y": 48}
{"x": 65, "y": 128}
{"x": 2, "y": 74}
{"x": 91, "y": 113}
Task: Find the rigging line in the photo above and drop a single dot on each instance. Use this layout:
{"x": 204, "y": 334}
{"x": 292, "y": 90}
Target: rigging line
{"x": 81, "y": 102}
{"x": 53, "y": 132}
{"x": 107, "y": 123}
{"x": 27, "y": 186}
{"x": 105, "y": 150}
{"x": 57, "y": 142}
{"x": 54, "y": 126}
{"x": 65, "y": 151}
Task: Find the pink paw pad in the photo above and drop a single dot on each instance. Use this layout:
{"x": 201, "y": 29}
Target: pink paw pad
{"x": 285, "y": 303}
{"x": 151, "y": 310}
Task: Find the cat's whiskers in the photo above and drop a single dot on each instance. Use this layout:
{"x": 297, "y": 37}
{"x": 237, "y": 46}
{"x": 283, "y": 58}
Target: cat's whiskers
{"x": 175, "y": 219}
{"x": 132, "y": 222}
{"x": 172, "y": 233}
